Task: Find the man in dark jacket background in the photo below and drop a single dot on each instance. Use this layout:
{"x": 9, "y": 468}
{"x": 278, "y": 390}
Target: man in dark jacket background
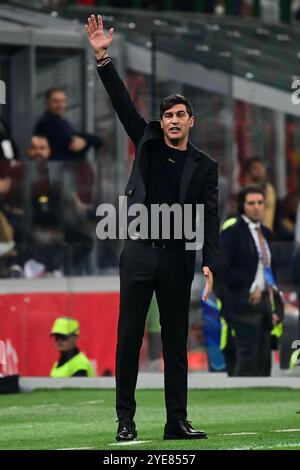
{"x": 66, "y": 143}
{"x": 245, "y": 278}
{"x": 167, "y": 169}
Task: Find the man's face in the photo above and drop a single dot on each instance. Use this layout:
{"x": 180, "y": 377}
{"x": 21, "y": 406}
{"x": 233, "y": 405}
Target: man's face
{"x": 176, "y": 123}
{"x": 254, "y": 207}
{"x": 39, "y": 149}
{"x": 65, "y": 343}
{"x": 57, "y": 103}
{"x": 257, "y": 171}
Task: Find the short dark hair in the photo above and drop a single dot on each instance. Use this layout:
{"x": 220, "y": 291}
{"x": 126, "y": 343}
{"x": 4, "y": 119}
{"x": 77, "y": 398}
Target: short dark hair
{"x": 251, "y": 189}
{"x": 171, "y": 100}
{"x": 256, "y": 159}
{"x": 40, "y": 136}
{"x": 53, "y": 90}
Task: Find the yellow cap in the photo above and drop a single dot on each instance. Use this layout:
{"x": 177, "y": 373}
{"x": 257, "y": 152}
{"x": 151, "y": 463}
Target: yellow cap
{"x": 65, "y": 326}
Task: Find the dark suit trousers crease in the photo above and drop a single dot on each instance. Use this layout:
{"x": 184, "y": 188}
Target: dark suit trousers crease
{"x": 143, "y": 270}
{"x": 253, "y": 342}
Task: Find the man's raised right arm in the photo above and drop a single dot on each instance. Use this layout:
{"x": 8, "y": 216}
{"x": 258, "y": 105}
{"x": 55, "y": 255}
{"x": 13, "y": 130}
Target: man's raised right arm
{"x": 132, "y": 121}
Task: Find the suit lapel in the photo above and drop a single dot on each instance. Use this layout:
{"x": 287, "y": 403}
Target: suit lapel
{"x": 154, "y": 132}
{"x": 191, "y": 163}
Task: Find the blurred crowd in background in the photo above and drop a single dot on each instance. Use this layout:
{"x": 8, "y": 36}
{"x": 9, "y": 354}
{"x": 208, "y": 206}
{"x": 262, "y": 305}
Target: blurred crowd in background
{"x": 48, "y": 197}
{"x": 51, "y": 186}
{"x": 57, "y": 209}
{"x": 269, "y": 10}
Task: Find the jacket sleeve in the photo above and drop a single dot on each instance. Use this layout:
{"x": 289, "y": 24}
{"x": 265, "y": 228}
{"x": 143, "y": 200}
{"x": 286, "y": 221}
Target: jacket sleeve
{"x": 92, "y": 140}
{"x": 134, "y": 124}
{"x": 59, "y": 131}
{"x": 228, "y": 273}
{"x": 210, "y": 251}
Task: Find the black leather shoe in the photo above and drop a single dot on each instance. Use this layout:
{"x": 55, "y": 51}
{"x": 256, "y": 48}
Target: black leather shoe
{"x": 126, "y": 430}
{"x": 182, "y": 429}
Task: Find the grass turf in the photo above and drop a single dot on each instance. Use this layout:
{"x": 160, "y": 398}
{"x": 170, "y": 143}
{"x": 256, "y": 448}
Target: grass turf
{"x": 55, "y": 419}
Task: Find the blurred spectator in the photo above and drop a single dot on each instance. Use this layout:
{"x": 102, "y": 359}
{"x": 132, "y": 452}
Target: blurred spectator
{"x": 45, "y": 197}
{"x": 5, "y": 186}
{"x": 65, "y": 142}
{"x": 223, "y": 198}
{"x": 10, "y": 182}
{"x": 72, "y": 362}
{"x": 58, "y": 215}
{"x": 256, "y": 173}
{"x": 6, "y": 233}
{"x": 8, "y": 156}
{"x": 285, "y": 224}
{"x": 297, "y": 227}
{"x": 296, "y": 9}
{"x": 10, "y": 200}
{"x": 39, "y": 149}
{"x": 246, "y": 279}
{"x": 7, "y": 242}
{"x": 232, "y": 205}
{"x": 11, "y": 187}
{"x": 8, "y": 149}
{"x": 44, "y": 208}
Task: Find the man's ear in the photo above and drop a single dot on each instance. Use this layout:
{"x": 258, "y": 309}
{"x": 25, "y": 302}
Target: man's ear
{"x": 161, "y": 124}
{"x": 192, "y": 121}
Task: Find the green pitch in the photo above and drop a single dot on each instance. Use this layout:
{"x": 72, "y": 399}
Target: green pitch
{"x": 86, "y": 419}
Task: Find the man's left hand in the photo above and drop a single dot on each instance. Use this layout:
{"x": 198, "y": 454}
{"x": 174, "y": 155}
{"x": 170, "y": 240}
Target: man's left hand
{"x": 275, "y": 319}
{"x": 208, "y": 282}
{"x": 77, "y": 144}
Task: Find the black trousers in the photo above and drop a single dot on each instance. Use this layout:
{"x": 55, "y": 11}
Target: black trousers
{"x": 143, "y": 270}
{"x": 253, "y": 340}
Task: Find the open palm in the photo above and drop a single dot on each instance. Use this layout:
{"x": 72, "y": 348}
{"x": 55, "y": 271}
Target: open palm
{"x": 98, "y": 40}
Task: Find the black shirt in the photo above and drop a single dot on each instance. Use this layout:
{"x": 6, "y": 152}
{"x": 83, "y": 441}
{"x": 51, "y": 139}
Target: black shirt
{"x": 164, "y": 176}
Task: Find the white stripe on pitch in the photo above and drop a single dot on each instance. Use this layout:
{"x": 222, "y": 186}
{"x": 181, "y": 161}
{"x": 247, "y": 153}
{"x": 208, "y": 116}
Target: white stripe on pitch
{"x": 238, "y": 433}
{"x": 277, "y": 446}
{"x": 76, "y": 448}
{"x": 129, "y": 443}
{"x": 286, "y": 430}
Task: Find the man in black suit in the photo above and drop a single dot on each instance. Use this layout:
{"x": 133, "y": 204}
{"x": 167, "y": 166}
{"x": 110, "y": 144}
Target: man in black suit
{"x": 66, "y": 143}
{"x": 247, "y": 285}
{"x": 167, "y": 169}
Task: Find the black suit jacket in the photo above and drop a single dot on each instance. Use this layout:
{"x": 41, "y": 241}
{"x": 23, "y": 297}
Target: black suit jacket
{"x": 59, "y": 133}
{"x": 238, "y": 266}
{"x": 199, "y": 182}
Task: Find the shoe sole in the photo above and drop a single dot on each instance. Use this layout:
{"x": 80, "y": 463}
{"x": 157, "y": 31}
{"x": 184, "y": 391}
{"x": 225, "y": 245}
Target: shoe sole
{"x": 169, "y": 437}
{"x": 126, "y": 440}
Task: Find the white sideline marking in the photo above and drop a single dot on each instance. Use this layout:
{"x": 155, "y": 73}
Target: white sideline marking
{"x": 91, "y": 402}
{"x": 43, "y": 405}
{"x": 129, "y": 443}
{"x": 238, "y": 433}
{"x": 286, "y": 430}
{"x": 277, "y": 446}
{"x": 76, "y": 448}
{"x": 249, "y": 433}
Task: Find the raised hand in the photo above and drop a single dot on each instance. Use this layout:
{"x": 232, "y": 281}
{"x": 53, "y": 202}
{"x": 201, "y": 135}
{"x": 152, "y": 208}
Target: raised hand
{"x": 98, "y": 40}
